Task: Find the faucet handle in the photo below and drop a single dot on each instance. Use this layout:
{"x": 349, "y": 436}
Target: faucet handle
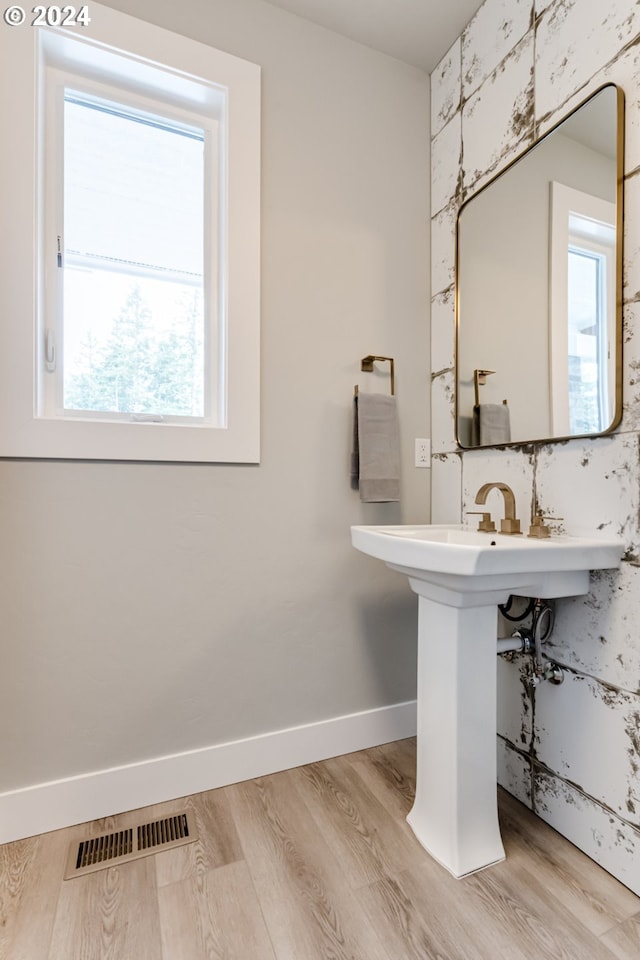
{"x": 538, "y": 529}
{"x": 486, "y": 524}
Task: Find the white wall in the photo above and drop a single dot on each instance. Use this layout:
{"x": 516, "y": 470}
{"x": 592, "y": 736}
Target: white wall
{"x": 570, "y": 752}
{"x": 152, "y": 609}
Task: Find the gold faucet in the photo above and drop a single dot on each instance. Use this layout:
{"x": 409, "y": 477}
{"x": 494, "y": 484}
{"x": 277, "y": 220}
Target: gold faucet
{"x": 510, "y": 524}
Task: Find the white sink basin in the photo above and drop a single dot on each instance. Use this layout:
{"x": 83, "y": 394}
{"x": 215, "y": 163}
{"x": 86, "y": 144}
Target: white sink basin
{"x": 466, "y": 561}
{"x": 460, "y": 576}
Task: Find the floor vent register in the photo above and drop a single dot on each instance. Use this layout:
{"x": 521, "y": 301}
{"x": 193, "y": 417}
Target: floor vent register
{"x": 110, "y": 850}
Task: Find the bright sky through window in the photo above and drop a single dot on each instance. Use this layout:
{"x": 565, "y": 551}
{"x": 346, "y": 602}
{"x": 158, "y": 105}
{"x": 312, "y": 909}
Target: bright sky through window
{"x": 133, "y": 262}
{"x": 587, "y": 340}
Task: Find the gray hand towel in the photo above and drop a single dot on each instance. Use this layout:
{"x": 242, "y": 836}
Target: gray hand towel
{"x": 375, "y": 459}
{"x": 491, "y": 424}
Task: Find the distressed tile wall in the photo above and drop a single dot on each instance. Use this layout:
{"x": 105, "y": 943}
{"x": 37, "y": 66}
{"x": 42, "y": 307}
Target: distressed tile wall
{"x": 570, "y": 752}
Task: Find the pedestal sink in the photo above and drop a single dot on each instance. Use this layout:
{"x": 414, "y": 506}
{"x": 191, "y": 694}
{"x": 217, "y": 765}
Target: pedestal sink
{"x": 460, "y": 577}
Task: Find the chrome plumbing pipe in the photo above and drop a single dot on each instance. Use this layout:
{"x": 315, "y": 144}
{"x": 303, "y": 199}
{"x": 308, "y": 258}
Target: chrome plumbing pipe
{"x": 541, "y": 627}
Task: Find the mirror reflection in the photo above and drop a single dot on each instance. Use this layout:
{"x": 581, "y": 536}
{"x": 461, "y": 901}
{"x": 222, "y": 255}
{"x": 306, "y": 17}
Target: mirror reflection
{"x": 538, "y": 292}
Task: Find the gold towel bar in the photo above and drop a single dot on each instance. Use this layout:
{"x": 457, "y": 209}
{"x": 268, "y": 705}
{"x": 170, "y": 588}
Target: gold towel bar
{"x": 366, "y": 364}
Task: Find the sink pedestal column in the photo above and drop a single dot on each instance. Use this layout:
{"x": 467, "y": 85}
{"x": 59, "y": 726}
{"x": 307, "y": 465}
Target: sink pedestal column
{"x": 455, "y": 814}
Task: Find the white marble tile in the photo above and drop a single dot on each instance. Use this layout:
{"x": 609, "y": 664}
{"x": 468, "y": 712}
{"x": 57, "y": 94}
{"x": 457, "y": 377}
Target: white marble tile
{"x": 446, "y": 473}
{"x": 598, "y": 634}
{"x": 593, "y": 485}
{"x": 514, "y": 772}
{"x": 443, "y": 332}
{"x": 574, "y": 40}
{"x": 508, "y": 466}
{"x": 443, "y": 434}
{"x": 497, "y": 121}
{"x": 631, "y": 246}
{"x": 630, "y": 367}
{"x": 544, "y": 123}
{"x": 446, "y": 149}
{"x": 497, "y": 27}
{"x": 608, "y": 840}
{"x": 625, "y": 72}
{"x": 443, "y": 249}
{"x": 587, "y": 733}
{"x": 514, "y": 707}
{"x": 446, "y": 84}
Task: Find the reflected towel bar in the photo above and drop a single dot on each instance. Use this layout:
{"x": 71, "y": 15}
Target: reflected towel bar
{"x": 479, "y": 380}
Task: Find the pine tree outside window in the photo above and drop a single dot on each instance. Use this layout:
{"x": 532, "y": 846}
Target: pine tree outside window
{"x": 133, "y": 332}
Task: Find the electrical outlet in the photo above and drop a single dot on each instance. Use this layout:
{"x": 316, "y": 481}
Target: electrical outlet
{"x": 423, "y": 453}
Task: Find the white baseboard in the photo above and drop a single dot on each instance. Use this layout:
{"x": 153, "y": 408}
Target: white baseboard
{"x": 62, "y": 803}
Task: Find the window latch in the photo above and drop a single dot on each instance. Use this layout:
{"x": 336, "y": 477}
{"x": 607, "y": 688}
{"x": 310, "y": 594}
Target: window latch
{"x": 50, "y": 350}
{"x": 59, "y": 251}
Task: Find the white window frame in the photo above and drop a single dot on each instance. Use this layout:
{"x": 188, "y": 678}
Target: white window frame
{"x": 185, "y": 75}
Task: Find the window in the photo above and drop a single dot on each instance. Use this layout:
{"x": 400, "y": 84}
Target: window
{"x": 582, "y": 311}
{"x": 588, "y": 348}
{"x": 145, "y": 342}
{"x": 125, "y": 254}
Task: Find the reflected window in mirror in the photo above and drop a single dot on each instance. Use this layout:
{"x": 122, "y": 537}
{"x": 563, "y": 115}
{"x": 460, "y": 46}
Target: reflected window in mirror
{"x": 589, "y": 407}
{"x": 539, "y": 281}
{"x": 587, "y": 326}
{"x": 582, "y": 313}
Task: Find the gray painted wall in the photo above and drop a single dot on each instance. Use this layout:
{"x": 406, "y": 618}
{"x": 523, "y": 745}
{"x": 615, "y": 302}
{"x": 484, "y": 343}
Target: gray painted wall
{"x": 149, "y": 609}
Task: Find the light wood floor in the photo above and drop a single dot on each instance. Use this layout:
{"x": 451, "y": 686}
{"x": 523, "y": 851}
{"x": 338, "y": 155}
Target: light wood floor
{"x": 315, "y": 863}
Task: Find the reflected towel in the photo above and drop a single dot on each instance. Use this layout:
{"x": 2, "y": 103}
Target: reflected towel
{"x": 375, "y": 458}
{"x": 491, "y": 424}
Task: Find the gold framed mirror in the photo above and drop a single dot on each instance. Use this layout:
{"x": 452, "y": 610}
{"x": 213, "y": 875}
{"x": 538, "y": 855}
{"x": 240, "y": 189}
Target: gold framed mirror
{"x": 539, "y": 287}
